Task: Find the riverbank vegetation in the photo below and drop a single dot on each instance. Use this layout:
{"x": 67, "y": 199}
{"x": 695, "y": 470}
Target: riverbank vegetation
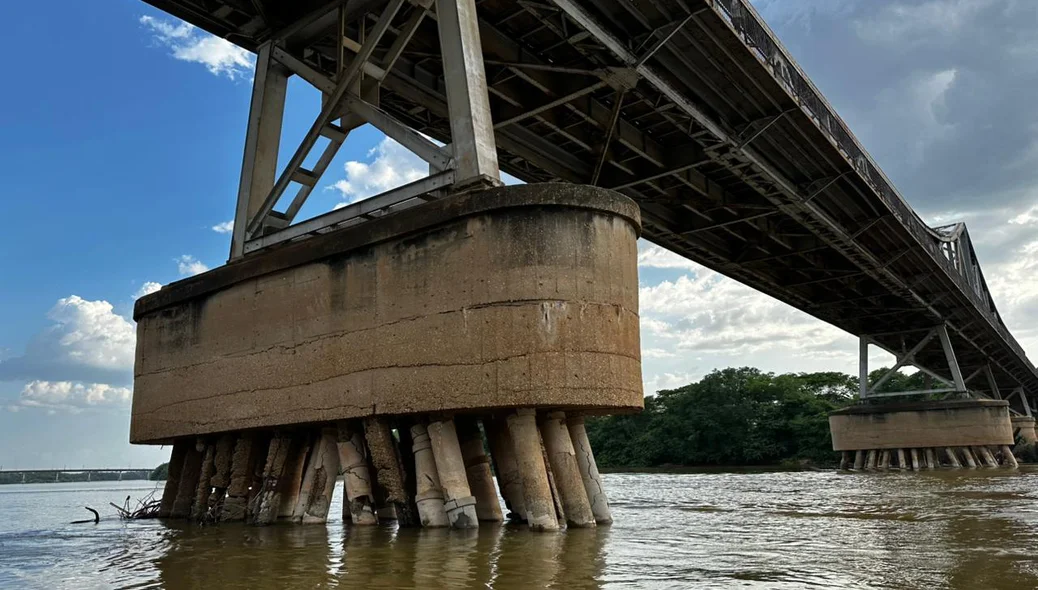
{"x": 160, "y": 473}
{"x": 734, "y": 416}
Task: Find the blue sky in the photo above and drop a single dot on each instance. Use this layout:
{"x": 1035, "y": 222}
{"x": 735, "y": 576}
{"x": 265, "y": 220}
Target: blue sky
{"x": 122, "y": 143}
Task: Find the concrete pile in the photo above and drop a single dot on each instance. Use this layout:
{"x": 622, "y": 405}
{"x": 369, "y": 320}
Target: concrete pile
{"x": 430, "y": 471}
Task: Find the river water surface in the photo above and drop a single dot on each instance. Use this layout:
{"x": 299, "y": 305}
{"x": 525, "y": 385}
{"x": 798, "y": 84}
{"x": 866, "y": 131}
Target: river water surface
{"x": 944, "y": 529}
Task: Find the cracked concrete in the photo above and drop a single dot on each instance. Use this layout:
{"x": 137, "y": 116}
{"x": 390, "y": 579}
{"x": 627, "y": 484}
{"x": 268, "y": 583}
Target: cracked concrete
{"x": 515, "y": 297}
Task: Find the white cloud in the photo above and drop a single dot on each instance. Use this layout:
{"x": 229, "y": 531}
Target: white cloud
{"x": 224, "y": 227}
{"x": 708, "y": 313}
{"x": 669, "y": 381}
{"x": 390, "y": 165}
{"x": 1028, "y": 217}
{"x": 88, "y": 342}
{"x": 189, "y": 266}
{"x": 220, "y": 57}
{"x": 657, "y": 353}
{"x": 71, "y": 397}
{"x": 653, "y": 326}
{"x": 147, "y": 288}
{"x": 651, "y": 256}
{"x": 902, "y": 22}
{"x": 90, "y": 333}
{"x": 1015, "y": 292}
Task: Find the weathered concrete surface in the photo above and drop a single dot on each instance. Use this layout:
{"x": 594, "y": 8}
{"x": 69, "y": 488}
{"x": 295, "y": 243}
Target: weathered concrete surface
{"x": 322, "y": 469}
{"x": 502, "y": 453}
{"x": 953, "y": 423}
{"x": 515, "y": 296}
{"x": 247, "y": 453}
{"x": 458, "y": 500}
{"x": 429, "y": 492}
{"x": 176, "y": 465}
{"x": 1023, "y": 427}
{"x": 596, "y": 493}
{"x": 563, "y": 461}
{"x": 533, "y": 473}
{"x": 477, "y": 468}
{"x": 389, "y": 472}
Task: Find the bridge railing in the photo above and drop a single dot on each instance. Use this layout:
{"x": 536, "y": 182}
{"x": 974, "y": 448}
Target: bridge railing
{"x": 958, "y": 259}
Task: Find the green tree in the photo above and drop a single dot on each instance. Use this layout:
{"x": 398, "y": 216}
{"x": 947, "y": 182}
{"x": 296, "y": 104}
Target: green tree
{"x": 160, "y": 473}
{"x": 734, "y": 416}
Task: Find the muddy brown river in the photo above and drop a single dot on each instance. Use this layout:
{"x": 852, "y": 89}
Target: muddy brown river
{"x": 943, "y": 529}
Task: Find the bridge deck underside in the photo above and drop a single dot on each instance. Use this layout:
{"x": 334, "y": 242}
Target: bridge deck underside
{"x": 772, "y": 201}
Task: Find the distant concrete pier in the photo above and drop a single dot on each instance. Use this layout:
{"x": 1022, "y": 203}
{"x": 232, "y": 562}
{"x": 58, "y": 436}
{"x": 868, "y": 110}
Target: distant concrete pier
{"x": 924, "y": 435}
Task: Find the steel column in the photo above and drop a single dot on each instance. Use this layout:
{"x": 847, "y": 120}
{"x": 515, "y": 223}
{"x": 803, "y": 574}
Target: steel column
{"x": 262, "y": 139}
{"x": 472, "y": 132}
{"x": 863, "y": 367}
{"x": 949, "y": 353}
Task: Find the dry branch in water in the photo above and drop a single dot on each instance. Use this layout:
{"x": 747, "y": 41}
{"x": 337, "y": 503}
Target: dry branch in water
{"x": 95, "y": 520}
{"x": 147, "y": 507}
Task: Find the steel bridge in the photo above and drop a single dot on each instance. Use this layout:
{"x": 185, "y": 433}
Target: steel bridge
{"x": 690, "y": 107}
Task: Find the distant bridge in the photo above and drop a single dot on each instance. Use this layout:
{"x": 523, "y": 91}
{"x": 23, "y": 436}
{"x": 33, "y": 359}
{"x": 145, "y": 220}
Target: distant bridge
{"x": 71, "y": 475}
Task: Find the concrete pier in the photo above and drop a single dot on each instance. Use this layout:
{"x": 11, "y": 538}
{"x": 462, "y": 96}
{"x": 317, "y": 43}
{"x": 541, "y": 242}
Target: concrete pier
{"x": 291, "y": 480}
{"x": 458, "y": 500}
{"x": 477, "y": 469}
{"x": 176, "y": 465}
{"x": 267, "y": 501}
{"x": 537, "y": 497}
{"x": 502, "y": 454}
{"x": 1023, "y": 429}
{"x": 223, "y": 454}
{"x": 501, "y": 288}
{"x": 565, "y": 470}
{"x": 592, "y": 480}
{"x": 322, "y": 469}
{"x": 243, "y": 468}
{"x": 190, "y": 472}
{"x": 429, "y": 492}
{"x": 379, "y": 350}
{"x": 358, "y": 504}
{"x": 389, "y": 471}
{"x": 925, "y": 435}
{"x": 204, "y": 488}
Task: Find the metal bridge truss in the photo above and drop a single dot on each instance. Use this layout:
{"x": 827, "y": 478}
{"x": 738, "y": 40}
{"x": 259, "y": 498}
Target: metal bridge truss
{"x": 690, "y": 107}
{"x": 350, "y": 99}
{"x": 980, "y": 383}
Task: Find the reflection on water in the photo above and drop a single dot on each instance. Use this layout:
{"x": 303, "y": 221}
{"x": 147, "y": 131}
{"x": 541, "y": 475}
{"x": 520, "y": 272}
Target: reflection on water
{"x": 945, "y": 529}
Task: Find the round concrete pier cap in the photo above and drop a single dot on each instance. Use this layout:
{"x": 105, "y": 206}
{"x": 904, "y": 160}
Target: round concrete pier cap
{"x": 514, "y": 296}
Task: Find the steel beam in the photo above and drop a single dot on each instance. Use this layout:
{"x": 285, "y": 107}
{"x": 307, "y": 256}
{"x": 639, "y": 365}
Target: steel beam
{"x": 992, "y": 382}
{"x": 401, "y": 197}
{"x": 472, "y": 131}
{"x": 262, "y": 140}
{"x": 918, "y": 392}
{"x": 949, "y": 353}
{"x": 863, "y": 367}
{"x": 409, "y": 138}
{"x": 328, "y": 113}
{"x": 903, "y": 360}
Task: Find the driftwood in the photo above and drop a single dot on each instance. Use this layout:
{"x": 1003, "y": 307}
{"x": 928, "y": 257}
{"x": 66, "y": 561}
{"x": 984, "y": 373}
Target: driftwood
{"x": 147, "y": 507}
{"x": 96, "y": 519}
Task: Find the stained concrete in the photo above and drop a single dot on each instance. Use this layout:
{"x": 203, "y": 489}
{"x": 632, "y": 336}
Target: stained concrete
{"x": 952, "y": 423}
{"x": 515, "y": 296}
{"x": 1023, "y": 428}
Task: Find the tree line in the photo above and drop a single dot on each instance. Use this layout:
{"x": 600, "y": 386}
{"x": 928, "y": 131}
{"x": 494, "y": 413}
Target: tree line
{"x": 735, "y": 416}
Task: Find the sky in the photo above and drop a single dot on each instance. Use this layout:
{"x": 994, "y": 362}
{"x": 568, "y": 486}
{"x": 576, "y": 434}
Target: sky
{"x": 121, "y": 148}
